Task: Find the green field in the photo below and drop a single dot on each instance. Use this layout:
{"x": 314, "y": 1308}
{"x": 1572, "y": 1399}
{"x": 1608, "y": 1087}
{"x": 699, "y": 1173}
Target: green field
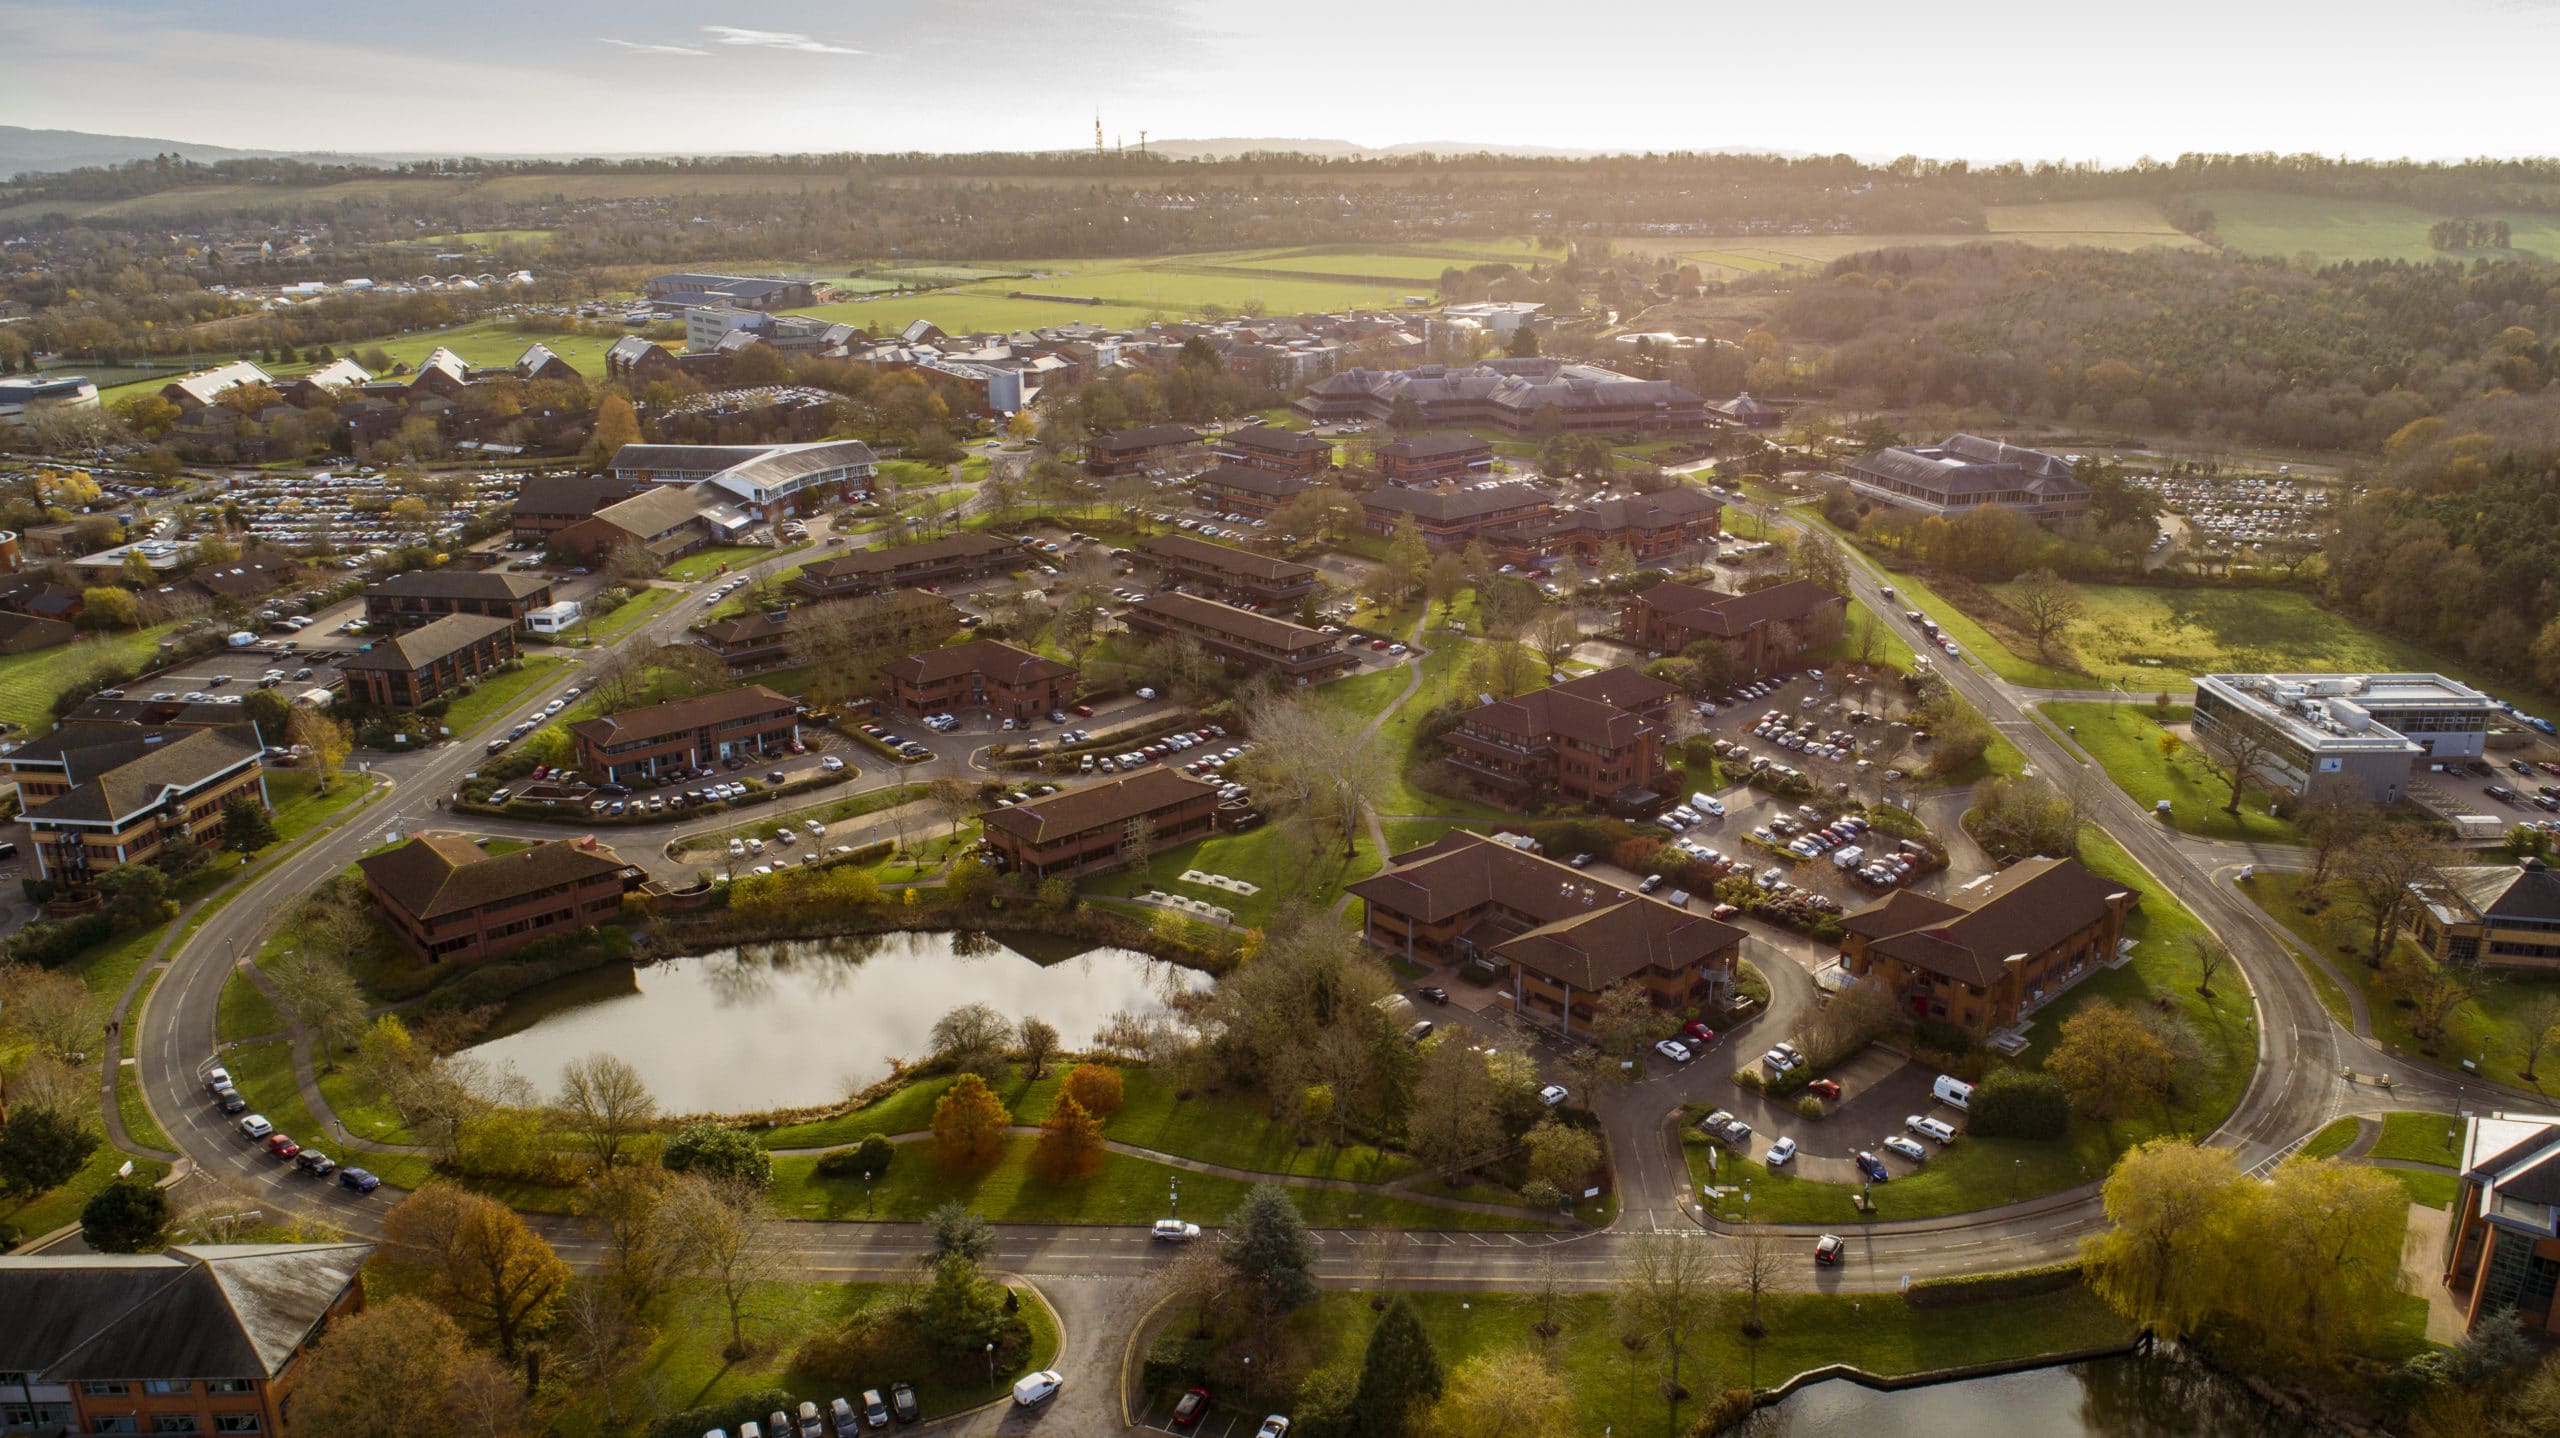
{"x": 488, "y": 342}
{"x": 499, "y": 692}
{"x": 703, "y": 563}
{"x": 1257, "y": 856}
{"x": 2265, "y": 222}
{"x": 2118, "y": 224}
{"x": 2147, "y": 639}
{"x": 2125, "y": 740}
{"x": 28, "y": 682}
{"x": 635, "y": 612}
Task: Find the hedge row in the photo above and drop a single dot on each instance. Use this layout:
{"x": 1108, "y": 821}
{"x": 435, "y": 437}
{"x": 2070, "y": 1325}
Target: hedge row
{"x": 1969, "y": 1288}
{"x": 728, "y": 1416}
{"x": 500, "y": 980}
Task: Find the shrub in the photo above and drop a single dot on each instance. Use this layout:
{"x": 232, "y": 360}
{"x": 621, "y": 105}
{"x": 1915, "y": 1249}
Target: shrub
{"x": 1991, "y": 1287}
{"x": 1812, "y": 1106}
{"x": 1941, "y": 1035}
{"x": 750, "y": 1408}
{"x": 2018, "y": 1103}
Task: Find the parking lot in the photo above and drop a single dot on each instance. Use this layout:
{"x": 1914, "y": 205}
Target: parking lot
{"x": 1221, "y": 1420}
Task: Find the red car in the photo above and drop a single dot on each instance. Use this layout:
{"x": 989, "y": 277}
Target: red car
{"x": 1378, "y": 644}
{"x": 1699, "y": 1031}
{"x": 1084, "y": 711}
{"x": 1193, "y": 1404}
{"x": 1823, "y": 1088}
{"x": 282, "y": 1146}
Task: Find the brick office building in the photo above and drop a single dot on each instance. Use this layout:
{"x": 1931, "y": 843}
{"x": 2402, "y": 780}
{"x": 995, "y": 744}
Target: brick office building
{"x": 430, "y": 661}
{"x": 406, "y": 601}
{"x": 900, "y": 619}
{"x": 686, "y": 734}
{"x": 1763, "y": 630}
{"x": 1240, "y": 638}
{"x": 1648, "y": 526}
{"x": 448, "y": 899}
{"x": 1565, "y": 740}
{"x": 1432, "y": 458}
{"x": 548, "y": 503}
{"x": 1091, "y": 829}
{"x": 101, "y": 794}
{"x": 2501, "y": 1253}
{"x": 1448, "y": 518}
{"x": 1239, "y": 489}
{"x": 1135, "y": 451}
{"x": 1282, "y": 451}
{"x": 910, "y": 566}
{"x": 1238, "y": 576}
{"x": 1007, "y": 682}
{"x": 1995, "y": 950}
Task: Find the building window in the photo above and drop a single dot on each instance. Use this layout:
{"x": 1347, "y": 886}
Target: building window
{"x": 121, "y": 1424}
{"x": 174, "y": 1423}
{"x": 167, "y": 1385}
{"x": 229, "y": 1385}
{"x": 109, "y": 1388}
{"x": 235, "y": 1422}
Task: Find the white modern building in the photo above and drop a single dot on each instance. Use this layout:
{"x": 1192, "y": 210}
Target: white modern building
{"x": 2347, "y": 735}
{"x": 24, "y": 395}
{"x": 768, "y": 477}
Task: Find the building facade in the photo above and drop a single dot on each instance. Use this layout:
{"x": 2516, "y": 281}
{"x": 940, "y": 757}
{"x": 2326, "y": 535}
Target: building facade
{"x": 1241, "y": 639}
{"x": 1563, "y": 741}
{"x": 955, "y": 558}
{"x": 548, "y": 503}
{"x": 1224, "y": 572}
{"x": 1434, "y": 458}
{"x": 447, "y": 899}
{"x": 1994, "y": 951}
{"x": 431, "y": 661}
{"x": 1518, "y": 396}
{"x": 2501, "y": 915}
{"x": 1006, "y": 682}
{"x": 1136, "y": 451}
{"x": 406, "y": 601}
{"x": 1258, "y": 492}
{"x": 1968, "y": 472}
{"x": 99, "y": 794}
{"x": 1764, "y": 631}
{"x": 1100, "y": 826}
{"x": 1270, "y": 447}
{"x": 686, "y": 734}
{"x": 2356, "y": 736}
{"x": 900, "y": 619}
{"x": 1649, "y": 527}
{"x": 1449, "y": 518}
{"x": 2502, "y": 1246}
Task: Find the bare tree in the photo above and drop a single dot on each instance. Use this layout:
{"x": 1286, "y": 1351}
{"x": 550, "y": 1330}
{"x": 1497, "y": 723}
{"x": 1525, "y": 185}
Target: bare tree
{"x": 2329, "y": 828}
{"x": 1555, "y": 635}
{"x": 603, "y": 1341}
{"x": 2235, "y": 744}
{"x": 1038, "y": 1040}
{"x": 2211, "y": 957}
{"x": 1318, "y": 761}
{"x": 956, "y": 799}
{"x": 606, "y": 1104}
{"x": 2537, "y": 1023}
{"x": 2378, "y": 872}
{"x": 2047, "y": 604}
{"x": 1755, "y": 1263}
{"x": 722, "y": 1231}
{"x": 49, "y": 1008}
{"x": 1664, "y": 1284}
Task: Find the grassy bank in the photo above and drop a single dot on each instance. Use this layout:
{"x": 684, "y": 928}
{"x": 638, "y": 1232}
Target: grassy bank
{"x": 2125, "y": 739}
{"x": 499, "y": 693}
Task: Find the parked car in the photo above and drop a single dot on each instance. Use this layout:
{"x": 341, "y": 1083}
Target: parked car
{"x": 1872, "y": 1166}
{"x": 875, "y": 1409}
{"x": 1174, "y": 1230}
{"x": 1907, "y": 1147}
{"x": 1828, "y": 1250}
{"x": 256, "y": 1126}
{"x": 358, "y": 1179}
{"x": 1699, "y": 1031}
{"x": 1188, "y": 1408}
{"x": 1040, "y": 1387}
{"x": 1275, "y": 1426}
{"x": 1673, "y": 1050}
{"x": 1781, "y": 1151}
{"x": 1553, "y": 1094}
{"x": 1930, "y": 1128}
{"x": 1824, "y": 1088}
{"x": 902, "y": 1402}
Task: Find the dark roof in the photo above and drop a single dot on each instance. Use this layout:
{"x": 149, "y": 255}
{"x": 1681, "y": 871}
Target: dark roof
{"x": 1676, "y": 505}
{"x": 569, "y": 493}
{"x": 1151, "y": 436}
{"x": 448, "y": 874}
{"x": 896, "y": 603}
{"x": 886, "y": 558}
{"x": 1098, "y": 806}
{"x": 1543, "y": 712}
{"x": 195, "y": 1313}
{"x": 2528, "y": 890}
{"x": 1245, "y": 477}
{"x": 1000, "y": 662}
{"x": 701, "y": 459}
{"x": 1728, "y": 615}
{"x": 119, "y": 770}
{"x": 1434, "y": 446}
{"x": 1226, "y": 618}
{"x": 1446, "y": 506}
{"x": 429, "y": 642}
{"x": 2024, "y": 910}
{"x": 460, "y": 584}
{"x": 680, "y": 716}
{"x": 1226, "y": 558}
{"x": 1273, "y": 439}
{"x": 660, "y": 508}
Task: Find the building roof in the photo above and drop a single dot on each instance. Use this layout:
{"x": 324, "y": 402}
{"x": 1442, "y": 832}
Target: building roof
{"x": 1227, "y": 559}
{"x": 460, "y": 584}
{"x": 1275, "y": 440}
{"x": 1267, "y": 482}
{"x": 631, "y": 349}
{"x": 1438, "y": 444}
{"x": 1972, "y": 934}
{"x": 1679, "y": 504}
{"x": 1519, "y": 388}
{"x": 1624, "y": 686}
{"x": 580, "y": 494}
{"x": 195, "y": 1313}
{"x": 1453, "y": 506}
{"x": 1967, "y": 467}
{"x": 120, "y": 770}
{"x": 966, "y": 545}
{"x": 1543, "y": 712}
{"x": 2515, "y": 1161}
{"x": 1098, "y": 806}
{"x": 683, "y": 716}
{"x": 1727, "y": 616}
{"x": 2528, "y": 890}
{"x": 660, "y": 508}
{"x": 771, "y": 624}
{"x": 999, "y": 662}
{"x": 206, "y": 386}
{"x": 1579, "y": 931}
{"x": 429, "y": 642}
{"x": 449, "y": 874}
{"x": 340, "y": 373}
{"x": 1150, "y": 436}
{"x": 1244, "y": 624}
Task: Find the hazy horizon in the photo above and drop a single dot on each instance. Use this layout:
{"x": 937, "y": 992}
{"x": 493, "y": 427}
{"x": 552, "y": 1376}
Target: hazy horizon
{"x": 1986, "y": 81}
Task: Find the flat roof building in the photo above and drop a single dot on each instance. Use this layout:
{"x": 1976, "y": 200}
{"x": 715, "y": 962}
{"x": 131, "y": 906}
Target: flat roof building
{"x": 2345, "y": 735}
{"x": 1967, "y": 472}
{"x": 762, "y": 477}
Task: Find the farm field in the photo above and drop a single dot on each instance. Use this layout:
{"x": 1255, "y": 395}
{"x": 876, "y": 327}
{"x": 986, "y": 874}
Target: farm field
{"x": 2106, "y": 224}
{"x": 2264, "y": 222}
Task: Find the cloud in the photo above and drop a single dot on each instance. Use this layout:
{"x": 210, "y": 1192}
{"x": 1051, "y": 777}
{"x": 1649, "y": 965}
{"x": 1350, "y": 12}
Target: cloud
{"x": 647, "y": 49}
{"x": 777, "y": 40}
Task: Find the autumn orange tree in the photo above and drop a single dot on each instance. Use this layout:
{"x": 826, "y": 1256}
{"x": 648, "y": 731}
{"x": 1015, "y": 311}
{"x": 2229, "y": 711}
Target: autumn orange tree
{"x": 1070, "y": 1141}
{"x": 1096, "y": 1087}
{"x": 969, "y": 1123}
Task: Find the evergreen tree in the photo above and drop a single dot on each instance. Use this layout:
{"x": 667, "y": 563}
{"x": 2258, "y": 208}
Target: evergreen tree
{"x": 126, "y": 1216}
{"x": 245, "y": 825}
{"x": 41, "y": 1149}
{"x": 1272, "y": 1248}
{"x": 1399, "y": 1374}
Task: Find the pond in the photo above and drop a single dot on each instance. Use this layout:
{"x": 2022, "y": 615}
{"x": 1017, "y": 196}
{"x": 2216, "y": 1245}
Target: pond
{"x": 2164, "y": 1396}
{"x": 794, "y": 1025}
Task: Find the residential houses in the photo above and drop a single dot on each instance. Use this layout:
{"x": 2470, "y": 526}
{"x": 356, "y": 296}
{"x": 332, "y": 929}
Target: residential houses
{"x": 193, "y": 1339}
{"x": 1552, "y": 938}
{"x": 420, "y": 596}
{"x": 433, "y": 661}
{"x": 1967, "y": 472}
{"x": 1586, "y": 741}
{"x": 447, "y": 898}
{"x": 98, "y": 795}
{"x": 1100, "y": 826}
{"x": 1006, "y": 682}
{"x": 958, "y": 557}
{"x": 1241, "y": 639}
{"x": 1989, "y": 954}
{"x": 2501, "y": 1250}
{"x": 1224, "y": 572}
{"x": 1763, "y": 631}
{"x": 683, "y": 735}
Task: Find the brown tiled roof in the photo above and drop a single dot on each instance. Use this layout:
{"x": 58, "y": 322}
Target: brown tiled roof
{"x": 1625, "y": 686}
{"x": 429, "y": 642}
{"x": 1583, "y": 933}
{"x": 1275, "y": 439}
{"x": 1226, "y": 559}
{"x": 478, "y": 584}
{"x": 1151, "y": 436}
{"x": 882, "y": 560}
{"x": 1729, "y": 615}
{"x": 1226, "y": 619}
{"x": 448, "y": 874}
{"x": 119, "y": 770}
{"x": 1450, "y": 506}
{"x": 1543, "y": 712}
{"x": 1000, "y": 662}
{"x": 1674, "y": 506}
{"x": 1268, "y": 483}
{"x": 680, "y": 716}
{"x": 580, "y": 494}
{"x": 2025, "y": 909}
{"x": 1434, "y": 446}
{"x": 1098, "y": 806}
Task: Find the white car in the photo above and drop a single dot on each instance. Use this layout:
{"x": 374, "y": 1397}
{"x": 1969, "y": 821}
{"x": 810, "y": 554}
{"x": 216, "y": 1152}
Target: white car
{"x": 1779, "y": 1060}
{"x": 1553, "y": 1094}
{"x": 1146, "y": 694}
{"x": 1907, "y": 1147}
{"x": 1275, "y": 1426}
{"x": 1033, "y": 1388}
{"x": 1781, "y": 1151}
{"x": 1174, "y": 1230}
{"x": 832, "y": 764}
{"x": 1714, "y": 808}
{"x": 256, "y": 1126}
{"x": 1673, "y": 1050}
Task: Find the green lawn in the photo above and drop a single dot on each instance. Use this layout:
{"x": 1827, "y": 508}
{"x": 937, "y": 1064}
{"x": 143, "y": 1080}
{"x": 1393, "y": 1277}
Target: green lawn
{"x": 1261, "y": 856}
{"x": 139, "y": 1124}
{"x": 499, "y": 693}
{"x": 2331, "y": 1140}
{"x": 42, "y": 1213}
{"x": 28, "y": 682}
{"x": 685, "y": 1367}
{"x": 2125, "y": 740}
{"x": 299, "y": 805}
{"x": 703, "y": 563}
{"x": 2435, "y": 1190}
{"x": 2420, "y": 1138}
{"x": 263, "y": 1072}
{"x": 2486, "y": 1030}
{"x": 109, "y": 967}
{"x": 1615, "y": 1386}
{"x": 2267, "y": 222}
{"x": 1123, "y": 1191}
{"x": 245, "y": 1011}
{"x": 633, "y": 612}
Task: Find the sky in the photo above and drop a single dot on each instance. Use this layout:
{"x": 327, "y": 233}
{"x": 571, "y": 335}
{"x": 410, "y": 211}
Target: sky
{"x": 1982, "y": 80}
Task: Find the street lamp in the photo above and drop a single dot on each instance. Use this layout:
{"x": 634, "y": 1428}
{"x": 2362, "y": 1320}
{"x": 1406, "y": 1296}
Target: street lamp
{"x": 991, "y": 1365}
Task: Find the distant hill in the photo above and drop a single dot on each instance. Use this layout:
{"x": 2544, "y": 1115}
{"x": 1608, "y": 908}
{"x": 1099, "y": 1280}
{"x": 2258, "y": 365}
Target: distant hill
{"x": 23, "y": 150}
{"x": 1344, "y": 149}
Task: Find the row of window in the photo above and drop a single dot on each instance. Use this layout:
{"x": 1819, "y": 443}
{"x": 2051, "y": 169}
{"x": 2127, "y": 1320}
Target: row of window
{"x": 174, "y": 1423}
{"x": 156, "y": 1387}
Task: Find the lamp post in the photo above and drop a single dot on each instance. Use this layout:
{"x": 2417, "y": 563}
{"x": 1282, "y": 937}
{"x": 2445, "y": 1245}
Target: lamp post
{"x": 991, "y": 1365}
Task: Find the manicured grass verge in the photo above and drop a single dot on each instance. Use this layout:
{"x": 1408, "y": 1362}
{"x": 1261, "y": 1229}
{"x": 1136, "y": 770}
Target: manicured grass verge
{"x": 2125, "y": 740}
{"x": 1227, "y": 1130}
{"x": 301, "y": 807}
{"x": 2434, "y": 1189}
{"x": 1123, "y": 1190}
{"x": 703, "y": 563}
{"x": 1262, "y": 857}
{"x": 2330, "y": 1141}
{"x": 1615, "y": 1387}
{"x": 245, "y": 1011}
{"x": 685, "y": 1367}
{"x": 139, "y": 1125}
{"x": 632, "y": 613}
{"x": 499, "y": 693}
{"x": 2420, "y": 1138}
{"x": 42, "y": 1213}
{"x": 28, "y": 682}
{"x": 263, "y": 1072}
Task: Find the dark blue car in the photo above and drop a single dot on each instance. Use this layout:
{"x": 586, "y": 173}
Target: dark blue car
{"x": 1873, "y": 1167}
{"x": 359, "y": 1180}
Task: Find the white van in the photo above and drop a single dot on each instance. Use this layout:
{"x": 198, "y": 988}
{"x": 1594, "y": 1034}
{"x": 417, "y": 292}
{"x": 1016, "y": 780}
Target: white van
{"x": 1953, "y": 1092}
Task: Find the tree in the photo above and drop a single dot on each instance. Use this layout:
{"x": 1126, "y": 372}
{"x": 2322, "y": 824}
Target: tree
{"x": 1555, "y": 635}
{"x": 1038, "y": 1040}
{"x": 2108, "y": 1059}
{"x": 606, "y": 1104}
{"x": 718, "y": 1151}
{"x": 2235, "y": 744}
{"x": 1816, "y": 560}
{"x": 1271, "y": 1248}
{"x": 49, "y": 1008}
{"x": 1523, "y": 343}
{"x": 391, "y": 1370}
{"x": 1399, "y": 1375}
{"x": 2047, "y": 604}
{"x": 2377, "y": 872}
{"x": 972, "y": 1039}
{"x": 129, "y": 1215}
{"x": 1096, "y": 1086}
{"x": 1758, "y": 1261}
{"x": 1664, "y": 1282}
{"x": 483, "y": 1266}
{"x": 2329, "y": 828}
{"x": 721, "y": 1230}
{"x": 2018, "y": 1103}
{"x": 319, "y": 994}
{"x": 2161, "y": 1263}
{"x": 959, "y": 1232}
{"x": 2211, "y": 957}
{"x": 617, "y": 424}
{"x": 41, "y": 1148}
{"x": 2537, "y": 1023}
{"x": 2314, "y": 1256}
{"x": 1454, "y": 1118}
{"x": 1317, "y": 764}
{"x": 601, "y": 1338}
{"x": 1561, "y": 1155}
{"x": 2434, "y": 995}
{"x": 872, "y": 1157}
{"x": 329, "y": 741}
{"x": 1408, "y": 558}
{"x": 1623, "y": 1018}
{"x": 960, "y": 1312}
{"x": 245, "y": 825}
{"x": 969, "y": 1123}
{"x": 1070, "y": 1143}
{"x": 1443, "y": 582}
{"x": 624, "y": 1203}
{"x": 957, "y": 800}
